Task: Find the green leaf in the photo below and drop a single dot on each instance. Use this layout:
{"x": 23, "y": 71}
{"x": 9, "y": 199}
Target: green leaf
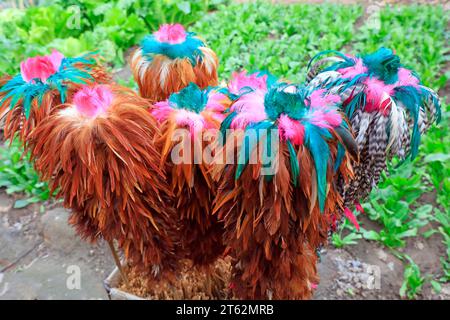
{"x": 22, "y": 203}
{"x": 436, "y": 286}
{"x": 371, "y": 235}
{"x": 184, "y": 6}
{"x": 440, "y": 157}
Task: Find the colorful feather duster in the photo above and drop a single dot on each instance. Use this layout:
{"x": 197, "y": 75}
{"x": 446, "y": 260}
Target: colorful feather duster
{"x": 279, "y": 200}
{"x": 383, "y": 100}
{"x": 98, "y": 152}
{"x": 241, "y": 82}
{"x": 171, "y": 58}
{"x": 43, "y": 82}
{"x": 193, "y": 116}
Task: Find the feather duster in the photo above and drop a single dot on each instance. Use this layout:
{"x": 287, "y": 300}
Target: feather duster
{"x": 171, "y": 58}
{"x": 278, "y": 199}
{"x": 388, "y": 107}
{"x": 98, "y": 152}
{"x": 241, "y": 82}
{"x": 43, "y": 82}
{"x": 192, "y": 115}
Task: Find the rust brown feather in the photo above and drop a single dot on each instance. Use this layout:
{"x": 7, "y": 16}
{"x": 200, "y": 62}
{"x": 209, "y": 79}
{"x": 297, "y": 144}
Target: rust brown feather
{"x": 110, "y": 179}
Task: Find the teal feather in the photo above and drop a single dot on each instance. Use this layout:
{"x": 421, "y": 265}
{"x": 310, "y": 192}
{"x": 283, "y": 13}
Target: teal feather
{"x": 250, "y": 142}
{"x": 271, "y": 79}
{"x": 357, "y": 102}
{"x": 268, "y": 152}
{"x": 225, "y": 125}
{"x": 315, "y": 141}
{"x": 347, "y": 61}
{"x": 354, "y": 81}
{"x": 429, "y": 95}
{"x": 339, "y": 157}
{"x": 384, "y": 64}
{"x": 17, "y": 88}
{"x": 277, "y": 102}
{"x": 189, "y": 49}
{"x": 191, "y": 98}
{"x": 410, "y": 97}
{"x": 294, "y": 163}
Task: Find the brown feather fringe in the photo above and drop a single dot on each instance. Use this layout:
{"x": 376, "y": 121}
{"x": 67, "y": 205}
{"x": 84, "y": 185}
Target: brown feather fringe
{"x": 193, "y": 193}
{"x": 15, "y": 120}
{"x": 110, "y": 179}
{"x": 274, "y": 228}
{"x": 157, "y": 85}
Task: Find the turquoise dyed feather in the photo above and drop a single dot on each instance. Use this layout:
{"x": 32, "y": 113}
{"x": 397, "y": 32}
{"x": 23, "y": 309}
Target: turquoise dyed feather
{"x": 384, "y": 64}
{"x": 189, "y": 49}
{"x": 411, "y": 99}
{"x": 18, "y": 89}
{"x": 225, "y": 125}
{"x": 339, "y": 157}
{"x": 277, "y": 101}
{"x": 250, "y": 142}
{"x": 315, "y": 141}
{"x": 294, "y": 163}
{"x": 191, "y": 98}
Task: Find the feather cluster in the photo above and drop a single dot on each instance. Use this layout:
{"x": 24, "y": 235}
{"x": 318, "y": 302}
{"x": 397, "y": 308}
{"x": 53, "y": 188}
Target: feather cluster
{"x": 113, "y": 183}
{"x": 171, "y": 58}
{"x": 274, "y": 222}
{"x": 189, "y": 118}
{"x": 388, "y": 107}
{"x": 43, "y": 82}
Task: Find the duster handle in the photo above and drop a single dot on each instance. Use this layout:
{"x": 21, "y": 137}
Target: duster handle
{"x": 117, "y": 261}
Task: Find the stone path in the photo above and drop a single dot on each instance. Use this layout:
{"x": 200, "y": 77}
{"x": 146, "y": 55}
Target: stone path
{"x": 41, "y": 257}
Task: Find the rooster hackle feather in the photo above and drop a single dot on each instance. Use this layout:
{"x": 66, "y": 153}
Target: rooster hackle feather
{"x": 171, "y": 58}
{"x": 98, "y": 153}
{"x": 43, "y": 82}
{"x": 275, "y": 220}
{"x": 388, "y": 107}
{"x": 196, "y": 113}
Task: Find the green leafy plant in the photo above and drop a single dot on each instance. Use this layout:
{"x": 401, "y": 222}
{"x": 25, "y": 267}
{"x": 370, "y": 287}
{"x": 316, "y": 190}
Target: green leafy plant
{"x": 346, "y": 235}
{"x": 77, "y": 26}
{"x": 18, "y": 176}
{"x": 412, "y": 280}
{"x": 260, "y": 35}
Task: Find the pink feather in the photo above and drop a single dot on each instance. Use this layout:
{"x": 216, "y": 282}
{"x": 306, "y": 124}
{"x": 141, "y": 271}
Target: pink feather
{"x": 250, "y": 109}
{"x": 378, "y": 95}
{"x": 319, "y": 99}
{"x": 326, "y": 119}
{"x": 162, "y": 111}
{"x": 171, "y": 33}
{"x": 195, "y": 122}
{"x": 359, "y": 207}
{"x": 93, "y": 101}
{"x": 406, "y": 78}
{"x": 41, "y": 67}
{"x": 240, "y": 80}
{"x": 353, "y": 71}
{"x": 351, "y": 217}
{"x": 290, "y": 129}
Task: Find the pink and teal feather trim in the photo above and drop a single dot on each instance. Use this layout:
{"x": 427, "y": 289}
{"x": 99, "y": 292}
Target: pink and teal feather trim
{"x": 193, "y": 108}
{"x": 39, "y": 75}
{"x": 173, "y": 41}
{"x": 302, "y": 116}
{"x": 384, "y": 80}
